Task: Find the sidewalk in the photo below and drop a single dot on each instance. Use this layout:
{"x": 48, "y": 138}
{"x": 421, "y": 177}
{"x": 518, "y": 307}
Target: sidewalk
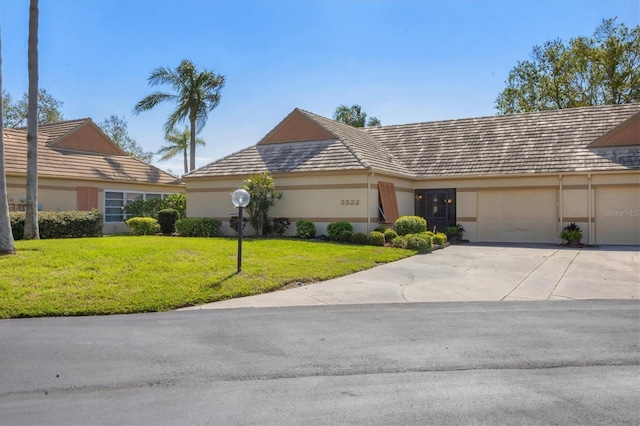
{"x": 473, "y": 272}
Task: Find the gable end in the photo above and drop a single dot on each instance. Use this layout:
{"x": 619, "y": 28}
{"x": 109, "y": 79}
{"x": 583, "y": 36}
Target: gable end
{"x": 297, "y": 128}
{"x": 87, "y": 138}
{"x": 625, "y": 134}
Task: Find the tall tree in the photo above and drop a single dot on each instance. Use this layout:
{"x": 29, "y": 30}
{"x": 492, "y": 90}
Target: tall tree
{"x": 600, "y": 70}
{"x": 178, "y": 143}
{"x": 196, "y": 94}
{"x": 31, "y": 229}
{"x": 49, "y": 109}
{"x": 7, "y": 245}
{"x": 116, "y": 128}
{"x": 354, "y": 116}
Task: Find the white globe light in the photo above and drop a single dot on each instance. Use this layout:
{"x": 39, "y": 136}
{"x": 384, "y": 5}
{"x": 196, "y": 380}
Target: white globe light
{"x": 240, "y": 198}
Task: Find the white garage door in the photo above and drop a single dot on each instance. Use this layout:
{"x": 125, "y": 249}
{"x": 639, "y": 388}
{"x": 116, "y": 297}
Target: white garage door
{"x": 518, "y": 216}
{"x": 617, "y": 215}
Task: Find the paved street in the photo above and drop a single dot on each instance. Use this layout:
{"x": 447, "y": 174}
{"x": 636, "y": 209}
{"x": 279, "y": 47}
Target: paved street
{"x": 551, "y": 362}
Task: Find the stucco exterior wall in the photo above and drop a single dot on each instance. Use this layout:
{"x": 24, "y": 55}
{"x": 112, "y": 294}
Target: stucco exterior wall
{"x": 527, "y": 208}
{"x": 320, "y": 197}
{"x": 62, "y": 194}
{"x": 604, "y": 205}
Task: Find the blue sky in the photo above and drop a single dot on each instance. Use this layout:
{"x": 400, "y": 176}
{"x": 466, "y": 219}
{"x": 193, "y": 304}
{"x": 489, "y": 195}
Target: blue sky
{"x": 402, "y": 61}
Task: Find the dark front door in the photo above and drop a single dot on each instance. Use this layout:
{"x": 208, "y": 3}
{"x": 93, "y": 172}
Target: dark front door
{"x": 437, "y": 206}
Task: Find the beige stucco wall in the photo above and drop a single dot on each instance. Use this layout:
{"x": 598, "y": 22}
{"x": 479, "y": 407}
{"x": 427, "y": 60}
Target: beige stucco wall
{"x": 320, "y": 197}
{"x": 548, "y": 202}
{"x": 62, "y": 195}
{"x": 611, "y": 204}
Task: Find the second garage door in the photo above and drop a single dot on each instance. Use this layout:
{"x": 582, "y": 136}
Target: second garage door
{"x": 518, "y": 216}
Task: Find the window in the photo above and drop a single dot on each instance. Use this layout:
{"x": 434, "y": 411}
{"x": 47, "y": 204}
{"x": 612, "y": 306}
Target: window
{"x": 115, "y": 202}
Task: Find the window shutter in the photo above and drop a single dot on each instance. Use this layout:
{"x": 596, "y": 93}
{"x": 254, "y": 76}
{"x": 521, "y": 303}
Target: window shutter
{"x": 389, "y": 202}
{"x": 87, "y": 198}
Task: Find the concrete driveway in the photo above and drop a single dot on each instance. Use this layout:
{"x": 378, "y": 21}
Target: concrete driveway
{"x": 473, "y": 272}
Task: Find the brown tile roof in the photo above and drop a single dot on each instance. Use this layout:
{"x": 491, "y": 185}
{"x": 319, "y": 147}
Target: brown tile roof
{"x": 56, "y": 160}
{"x": 541, "y": 142}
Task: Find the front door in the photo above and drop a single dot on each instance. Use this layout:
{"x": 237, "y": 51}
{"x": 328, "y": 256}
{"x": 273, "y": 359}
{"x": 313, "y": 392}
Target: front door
{"x": 438, "y": 207}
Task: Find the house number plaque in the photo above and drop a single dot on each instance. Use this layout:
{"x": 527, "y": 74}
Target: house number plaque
{"x": 349, "y": 202}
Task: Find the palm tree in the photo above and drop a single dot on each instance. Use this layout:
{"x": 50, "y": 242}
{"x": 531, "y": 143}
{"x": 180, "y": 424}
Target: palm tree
{"x": 354, "y": 116}
{"x": 197, "y": 93}
{"x": 31, "y": 230}
{"x": 178, "y": 142}
{"x": 7, "y": 245}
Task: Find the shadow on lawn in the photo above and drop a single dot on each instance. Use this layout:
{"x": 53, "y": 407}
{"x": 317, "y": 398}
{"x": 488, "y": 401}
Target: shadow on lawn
{"x": 217, "y": 284}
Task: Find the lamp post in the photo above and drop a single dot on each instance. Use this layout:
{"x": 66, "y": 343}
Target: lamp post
{"x": 240, "y": 198}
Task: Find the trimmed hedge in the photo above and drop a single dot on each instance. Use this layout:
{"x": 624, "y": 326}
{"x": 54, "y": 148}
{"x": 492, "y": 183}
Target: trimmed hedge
{"x": 440, "y": 238}
{"x": 68, "y": 224}
{"x": 399, "y": 242}
{"x": 305, "y": 229}
{"x": 334, "y": 229}
{"x": 167, "y": 220}
{"x": 198, "y": 227}
{"x": 143, "y": 225}
{"x": 376, "y": 238}
{"x": 406, "y": 225}
{"x": 420, "y": 242}
{"x": 359, "y": 238}
{"x": 389, "y": 235}
{"x": 345, "y": 236}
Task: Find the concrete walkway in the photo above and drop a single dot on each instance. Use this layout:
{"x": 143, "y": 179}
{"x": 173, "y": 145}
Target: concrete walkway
{"x": 473, "y": 272}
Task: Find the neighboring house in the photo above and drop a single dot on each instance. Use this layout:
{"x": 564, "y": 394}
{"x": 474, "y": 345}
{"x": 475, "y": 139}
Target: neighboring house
{"x": 506, "y": 178}
{"x": 81, "y": 168}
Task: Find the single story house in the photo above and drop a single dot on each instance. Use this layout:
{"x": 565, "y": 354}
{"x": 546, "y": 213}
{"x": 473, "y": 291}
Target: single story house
{"x": 81, "y": 168}
{"x": 505, "y": 178}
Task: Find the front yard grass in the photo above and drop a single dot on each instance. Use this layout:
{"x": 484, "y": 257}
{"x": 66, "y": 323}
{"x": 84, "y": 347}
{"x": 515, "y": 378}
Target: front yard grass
{"x": 126, "y": 274}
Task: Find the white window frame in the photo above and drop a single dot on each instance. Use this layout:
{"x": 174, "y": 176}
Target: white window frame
{"x": 125, "y": 200}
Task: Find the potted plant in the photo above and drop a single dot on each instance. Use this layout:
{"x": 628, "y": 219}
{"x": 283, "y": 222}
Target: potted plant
{"x": 571, "y": 234}
{"x": 454, "y": 232}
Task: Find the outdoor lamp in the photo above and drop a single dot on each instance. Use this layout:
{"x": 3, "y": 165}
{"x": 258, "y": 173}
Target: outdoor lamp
{"x": 240, "y": 198}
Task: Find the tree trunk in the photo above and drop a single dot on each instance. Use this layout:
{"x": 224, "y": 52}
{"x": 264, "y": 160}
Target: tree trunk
{"x": 186, "y": 162}
{"x": 7, "y": 245}
{"x": 31, "y": 231}
{"x": 192, "y": 145}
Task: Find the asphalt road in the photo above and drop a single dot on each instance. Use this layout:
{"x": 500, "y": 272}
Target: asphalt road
{"x": 556, "y": 362}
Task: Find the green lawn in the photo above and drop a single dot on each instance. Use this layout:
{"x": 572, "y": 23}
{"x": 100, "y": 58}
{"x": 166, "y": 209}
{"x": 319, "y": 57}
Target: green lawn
{"x": 126, "y": 274}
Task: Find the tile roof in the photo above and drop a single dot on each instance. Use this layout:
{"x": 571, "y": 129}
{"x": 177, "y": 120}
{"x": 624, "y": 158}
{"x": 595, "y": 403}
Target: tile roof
{"x": 541, "y": 142}
{"x": 54, "y": 160}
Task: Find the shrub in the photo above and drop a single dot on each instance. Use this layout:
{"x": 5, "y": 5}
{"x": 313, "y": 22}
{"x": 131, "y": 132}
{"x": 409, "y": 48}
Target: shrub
{"x": 335, "y": 229}
{"x": 571, "y": 233}
{"x": 381, "y": 228}
{"x": 151, "y": 207}
{"x": 376, "y": 238}
{"x": 280, "y": 225}
{"x": 440, "y": 238}
{"x": 233, "y": 222}
{"x": 345, "y": 236}
{"x": 167, "y": 220}
{"x": 69, "y": 224}
{"x": 143, "y": 225}
{"x": 263, "y": 197}
{"x": 455, "y": 230}
{"x": 305, "y": 229}
{"x": 359, "y": 238}
{"x": 421, "y": 243}
{"x": 389, "y": 235}
{"x": 410, "y": 225}
{"x": 399, "y": 242}
{"x": 198, "y": 227}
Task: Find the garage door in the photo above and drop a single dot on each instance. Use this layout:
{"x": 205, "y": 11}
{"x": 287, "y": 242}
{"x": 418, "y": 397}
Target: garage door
{"x": 617, "y": 215}
{"x": 518, "y": 216}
